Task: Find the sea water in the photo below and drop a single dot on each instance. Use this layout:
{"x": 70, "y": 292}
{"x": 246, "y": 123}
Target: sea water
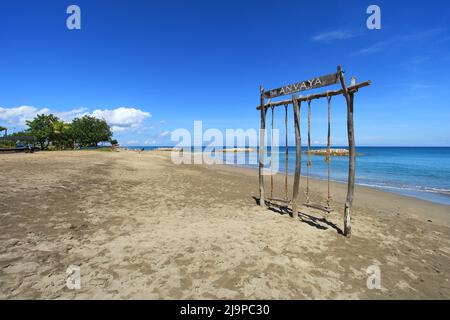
{"x": 421, "y": 172}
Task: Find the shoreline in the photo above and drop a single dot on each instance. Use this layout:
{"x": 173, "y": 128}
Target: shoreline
{"x": 440, "y": 212}
{"x": 406, "y": 192}
{"x": 416, "y": 207}
{"x": 436, "y": 197}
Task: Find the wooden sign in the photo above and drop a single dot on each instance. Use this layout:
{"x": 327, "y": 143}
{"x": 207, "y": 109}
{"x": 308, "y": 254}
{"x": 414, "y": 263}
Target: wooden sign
{"x": 303, "y": 86}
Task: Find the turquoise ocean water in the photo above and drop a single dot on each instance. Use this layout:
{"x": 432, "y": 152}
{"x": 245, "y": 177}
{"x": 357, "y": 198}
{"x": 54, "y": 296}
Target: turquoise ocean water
{"x": 421, "y": 172}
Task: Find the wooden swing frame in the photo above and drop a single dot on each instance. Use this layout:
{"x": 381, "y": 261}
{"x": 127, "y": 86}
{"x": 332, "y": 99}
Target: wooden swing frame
{"x": 348, "y": 93}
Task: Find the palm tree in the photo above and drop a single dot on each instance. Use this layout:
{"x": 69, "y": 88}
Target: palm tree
{"x": 60, "y": 129}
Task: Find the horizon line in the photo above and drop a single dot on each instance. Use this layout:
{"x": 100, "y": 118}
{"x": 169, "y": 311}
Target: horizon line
{"x": 290, "y": 146}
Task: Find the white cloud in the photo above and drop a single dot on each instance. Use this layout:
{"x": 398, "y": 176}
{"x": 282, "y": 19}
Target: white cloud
{"x": 319, "y": 142}
{"x": 117, "y": 129}
{"x": 377, "y": 47}
{"x": 334, "y": 35}
{"x": 149, "y": 142}
{"x": 122, "y": 118}
{"x": 165, "y": 134}
{"x": 71, "y": 114}
{"x": 401, "y": 41}
{"x": 18, "y": 115}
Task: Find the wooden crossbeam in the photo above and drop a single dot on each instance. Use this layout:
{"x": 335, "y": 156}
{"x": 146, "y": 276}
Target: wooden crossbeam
{"x": 351, "y": 89}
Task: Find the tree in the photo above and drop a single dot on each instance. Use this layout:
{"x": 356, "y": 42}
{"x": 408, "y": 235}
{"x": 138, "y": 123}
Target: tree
{"x": 89, "y": 131}
{"x": 4, "y": 129}
{"x": 62, "y": 135}
{"x": 3, "y": 141}
{"x": 42, "y": 128}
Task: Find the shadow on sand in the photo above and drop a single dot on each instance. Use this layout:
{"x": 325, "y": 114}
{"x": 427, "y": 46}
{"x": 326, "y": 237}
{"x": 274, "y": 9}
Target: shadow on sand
{"x": 283, "y": 209}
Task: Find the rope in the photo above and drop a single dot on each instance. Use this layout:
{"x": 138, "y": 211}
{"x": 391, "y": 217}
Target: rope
{"x": 329, "y": 148}
{"x": 263, "y": 141}
{"x": 287, "y": 152}
{"x": 271, "y": 157}
{"x": 308, "y": 163}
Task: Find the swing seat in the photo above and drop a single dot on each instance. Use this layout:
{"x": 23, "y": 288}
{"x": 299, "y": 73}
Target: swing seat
{"x": 279, "y": 200}
{"x": 318, "y": 207}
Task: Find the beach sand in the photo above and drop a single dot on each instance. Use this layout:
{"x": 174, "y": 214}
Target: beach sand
{"x": 141, "y": 227}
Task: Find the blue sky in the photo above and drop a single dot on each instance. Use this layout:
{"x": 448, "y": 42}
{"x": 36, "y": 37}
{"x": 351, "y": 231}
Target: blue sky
{"x": 149, "y": 67}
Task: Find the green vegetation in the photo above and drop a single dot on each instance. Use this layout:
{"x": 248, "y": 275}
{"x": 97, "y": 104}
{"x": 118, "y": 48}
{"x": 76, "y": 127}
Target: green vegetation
{"x": 89, "y": 131}
{"x": 51, "y": 133}
{"x": 4, "y": 143}
{"x": 41, "y": 127}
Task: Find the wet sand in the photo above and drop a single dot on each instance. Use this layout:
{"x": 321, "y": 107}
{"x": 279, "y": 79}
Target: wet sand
{"x": 141, "y": 227}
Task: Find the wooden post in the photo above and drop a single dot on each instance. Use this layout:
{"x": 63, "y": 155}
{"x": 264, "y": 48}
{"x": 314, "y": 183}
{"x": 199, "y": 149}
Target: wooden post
{"x": 352, "y": 155}
{"x": 271, "y": 157}
{"x": 308, "y": 162}
{"x": 287, "y": 153}
{"x": 261, "y": 149}
{"x": 298, "y": 156}
{"x": 329, "y": 152}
